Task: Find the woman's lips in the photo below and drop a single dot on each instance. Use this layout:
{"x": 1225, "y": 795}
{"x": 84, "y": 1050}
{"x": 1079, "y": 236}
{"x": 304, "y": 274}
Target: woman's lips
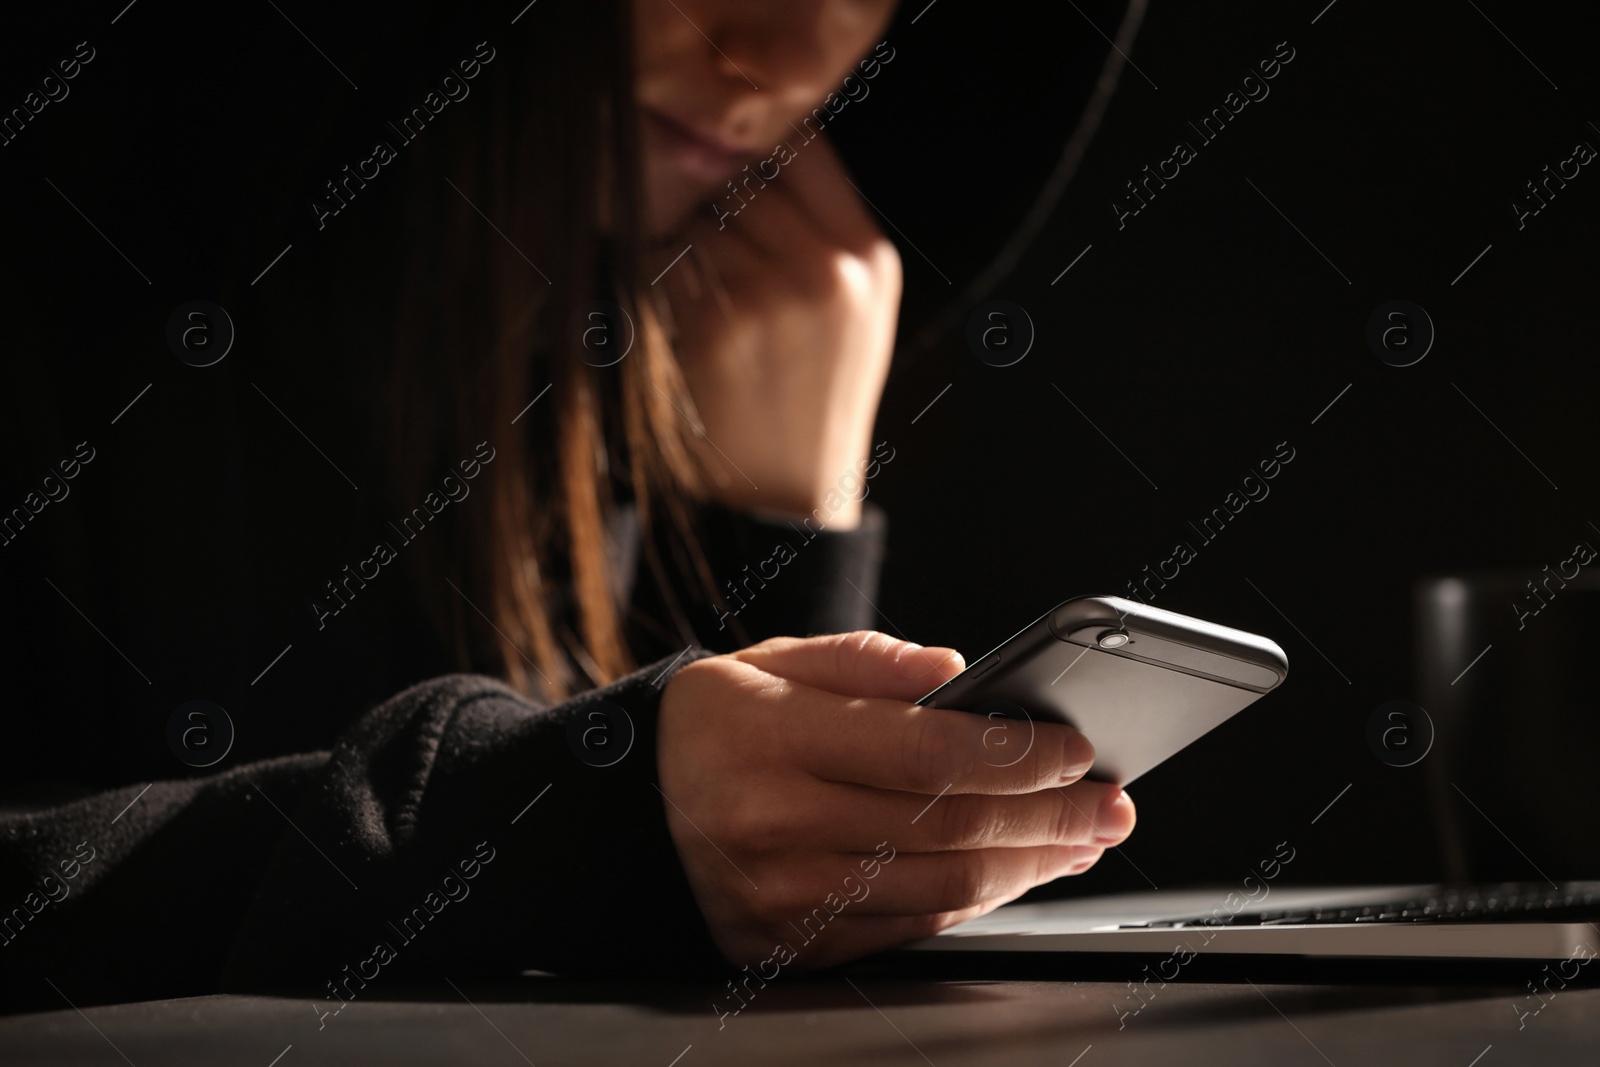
{"x": 700, "y": 155}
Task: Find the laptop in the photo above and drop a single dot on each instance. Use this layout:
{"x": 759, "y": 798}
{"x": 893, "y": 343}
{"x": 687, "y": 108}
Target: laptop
{"x": 1468, "y": 924}
{"x": 1503, "y": 922}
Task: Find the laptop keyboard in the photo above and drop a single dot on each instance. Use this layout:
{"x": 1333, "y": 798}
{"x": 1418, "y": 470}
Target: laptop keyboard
{"x": 1507, "y": 902}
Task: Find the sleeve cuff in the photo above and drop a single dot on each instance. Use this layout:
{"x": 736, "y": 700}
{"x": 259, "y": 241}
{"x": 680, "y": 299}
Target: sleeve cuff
{"x": 777, "y": 576}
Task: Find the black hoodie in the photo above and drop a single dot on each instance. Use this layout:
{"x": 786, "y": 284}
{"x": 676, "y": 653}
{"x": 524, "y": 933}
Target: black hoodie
{"x": 377, "y": 806}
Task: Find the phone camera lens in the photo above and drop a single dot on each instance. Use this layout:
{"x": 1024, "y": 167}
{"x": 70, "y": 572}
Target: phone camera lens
{"x": 1113, "y": 638}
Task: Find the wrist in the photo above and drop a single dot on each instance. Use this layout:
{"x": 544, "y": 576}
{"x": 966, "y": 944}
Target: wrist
{"x": 822, "y": 507}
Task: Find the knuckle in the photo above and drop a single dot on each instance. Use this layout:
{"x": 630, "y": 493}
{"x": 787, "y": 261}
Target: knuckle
{"x": 1069, "y": 823}
{"x": 1055, "y": 757}
{"x": 1054, "y": 752}
{"x": 816, "y": 278}
{"x": 927, "y": 753}
{"x": 968, "y": 822}
{"x": 1046, "y": 866}
{"x": 876, "y": 643}
{"x": 885, "y": 260}
{"x": 852, "y": 275}
{"x": 753, "y": 827}
{"x": 771, "y": 644}
{"x": 920, "y": 926}
{"x": 850, "y": 650}
{"x": 775, "y": 904}
{"x": 962, "y": 884}
{"x": 856, "y": 274}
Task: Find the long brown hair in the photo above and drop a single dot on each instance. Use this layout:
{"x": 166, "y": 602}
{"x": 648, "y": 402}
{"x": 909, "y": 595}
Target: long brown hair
{"x": 527, "y": 209}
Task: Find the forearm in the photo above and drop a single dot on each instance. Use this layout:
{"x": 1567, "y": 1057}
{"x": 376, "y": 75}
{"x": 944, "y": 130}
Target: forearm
{"x": 456, "y": 822}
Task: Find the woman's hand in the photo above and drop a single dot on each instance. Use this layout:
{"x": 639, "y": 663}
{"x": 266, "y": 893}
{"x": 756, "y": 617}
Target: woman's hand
{"x": 815, "y": 807}
{"x": 785, "y": 317}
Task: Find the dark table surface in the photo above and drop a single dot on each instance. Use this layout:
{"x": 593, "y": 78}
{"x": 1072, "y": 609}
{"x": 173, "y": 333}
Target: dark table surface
{"x": 834, "y": 1020}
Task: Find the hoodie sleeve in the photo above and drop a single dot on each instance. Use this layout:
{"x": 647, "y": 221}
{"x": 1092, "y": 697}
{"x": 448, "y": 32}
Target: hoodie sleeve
{"x": 773, "y": 577}
{"x": 456, "y": 829}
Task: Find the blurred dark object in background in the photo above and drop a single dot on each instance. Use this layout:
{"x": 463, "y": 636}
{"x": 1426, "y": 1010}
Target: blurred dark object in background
{"x": 1515, "y": 791}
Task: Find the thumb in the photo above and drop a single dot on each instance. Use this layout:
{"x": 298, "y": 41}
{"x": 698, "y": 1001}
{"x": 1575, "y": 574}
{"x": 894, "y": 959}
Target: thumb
{"x": 864, "y": 663}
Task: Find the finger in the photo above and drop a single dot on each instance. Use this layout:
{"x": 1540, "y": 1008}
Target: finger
{"x": 775, "y": 223}
{"x": 810, "y": 940}
{"x": 922, "y": 883}
{"x": 900, "y": 746}
{"x": 1115, "y": 819}
{"x": 821, "y": 186}
{"x": 851, "y": 818}
{"x": 806, "y": 946}
{"x": 864, "y": 663}
{"x": 710, "y": 270}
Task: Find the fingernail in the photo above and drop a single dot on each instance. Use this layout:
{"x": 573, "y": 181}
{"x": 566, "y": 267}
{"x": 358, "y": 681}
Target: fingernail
{"x": 1076, "y": 771}
{"x": 1073, "y": 771}
{"x": 920, "y": 661}
{"x": 1107, "y": 814}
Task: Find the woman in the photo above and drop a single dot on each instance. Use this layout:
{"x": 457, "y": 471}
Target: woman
{"x": 583, "y": 395}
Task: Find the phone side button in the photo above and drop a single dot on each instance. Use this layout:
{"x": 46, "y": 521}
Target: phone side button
{"x": 984, "y": 665}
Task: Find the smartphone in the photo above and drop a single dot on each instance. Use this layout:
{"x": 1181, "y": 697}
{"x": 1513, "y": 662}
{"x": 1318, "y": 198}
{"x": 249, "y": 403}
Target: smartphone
{"x": 1139, "y": 682}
